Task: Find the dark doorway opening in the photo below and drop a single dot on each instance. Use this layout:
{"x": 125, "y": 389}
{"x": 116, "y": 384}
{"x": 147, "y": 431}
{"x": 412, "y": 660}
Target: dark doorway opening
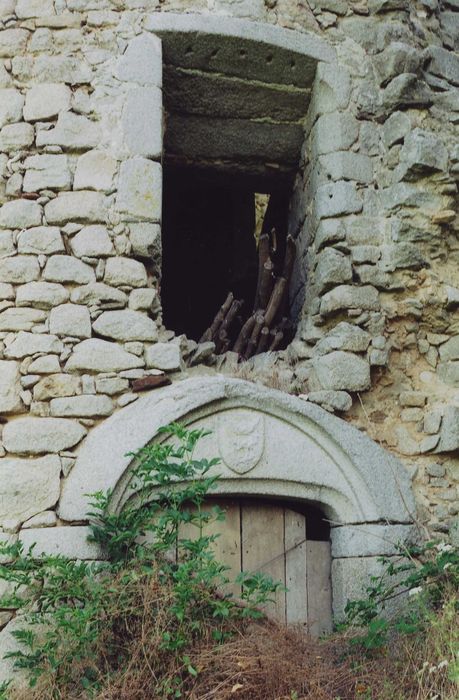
{"x": 210, "y": 244}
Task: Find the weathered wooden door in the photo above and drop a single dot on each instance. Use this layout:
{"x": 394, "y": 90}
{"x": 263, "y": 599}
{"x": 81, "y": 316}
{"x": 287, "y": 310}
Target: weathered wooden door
{"x": 258, "y": 536}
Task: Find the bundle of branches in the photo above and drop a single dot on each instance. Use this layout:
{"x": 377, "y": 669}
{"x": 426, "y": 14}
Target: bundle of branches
{"x": 266, "y": 326}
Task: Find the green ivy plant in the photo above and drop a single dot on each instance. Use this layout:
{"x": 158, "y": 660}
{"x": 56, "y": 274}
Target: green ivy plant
{"x": 68, "y": 607}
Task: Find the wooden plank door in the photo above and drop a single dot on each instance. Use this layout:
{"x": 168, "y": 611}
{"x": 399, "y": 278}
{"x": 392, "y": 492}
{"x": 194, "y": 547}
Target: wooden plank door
{"x": 270, "y": 538}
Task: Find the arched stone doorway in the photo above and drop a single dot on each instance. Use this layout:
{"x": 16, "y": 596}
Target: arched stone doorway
{"x": 272, "y": 446}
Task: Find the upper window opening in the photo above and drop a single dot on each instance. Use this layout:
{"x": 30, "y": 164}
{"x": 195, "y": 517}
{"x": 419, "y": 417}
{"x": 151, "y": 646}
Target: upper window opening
{"x": 233, "y": 141}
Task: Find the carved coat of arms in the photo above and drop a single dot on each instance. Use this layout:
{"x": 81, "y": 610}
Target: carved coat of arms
{"x": 241, "y": 438}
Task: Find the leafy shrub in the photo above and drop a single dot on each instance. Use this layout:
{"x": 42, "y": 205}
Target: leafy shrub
{"x": 81, "y": 618}
{"x": 426, "y": 574}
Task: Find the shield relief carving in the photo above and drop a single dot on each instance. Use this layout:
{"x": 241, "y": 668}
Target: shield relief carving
{"x": 241, "y": 439}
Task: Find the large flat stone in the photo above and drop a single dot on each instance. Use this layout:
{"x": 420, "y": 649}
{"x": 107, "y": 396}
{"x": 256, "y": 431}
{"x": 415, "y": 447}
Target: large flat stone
{"x": 41, "y": 295}
{"x": 28, "y": 486}
{"x": 46, "y": 101}
{"x": 70, "y": 320}
{"x": 95, "y": 171}
{"x": 20, "y": 269}
{"x": 126, "y": 325}
{"x": 46, "y": 172}
{"x": 92, "y": 241}
{"x": 84, "y": 406}
{"x": 41, "y": 240}
{"x": 370, "y": 540}
{"x": 22, "y": 319}
{"x": 346, "y": 297}
{"x": 120, "y": 272}
{"x": 10, "y": 387}
{"x": 142, "y": 121}
{"x": 20, "y": 213}
{"x": 72, "y": 131}
{"x": 140, "y": 190}
{"x": 66, "y": 268}
{"x": 83, "y": 206}
{"x": 236, "y": 47}
{"x": 142, "y": 61}
{"x": 56, "y": 385}
{"x": 42, "y": 435}
{"x": 96, "y": 355}
{"x": 11, "y": 103}
{"x": 342, "y": 371}
{"x": 71, "y": 542}
{"x": 99, "y": 294}
{"x": 31, "y": 343}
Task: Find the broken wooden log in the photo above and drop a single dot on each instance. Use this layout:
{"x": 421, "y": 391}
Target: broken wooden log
{"x": 151, "y": 381}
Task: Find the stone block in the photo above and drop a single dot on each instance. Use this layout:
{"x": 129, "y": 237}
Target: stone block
{"x": 395, "y": 128}
{"x": 331, "y": 90}
{"x": 121, "y": 272}
{"x": 11, "y": 104}
{"x": 350, "y": 578}
{"x": 32, "y": 343}
{"x": 71, "y": 542}
{"x": 85, "y": 206}
{"x": 13, "y": 42}
{"x": 92, "y": 241}
{"x": 84, "y": 406}
{"x": 334, "y": 132}
{"x": 55, "y": 385}
{"x": 66, "y": 268}
{"x": 348, "y": 297}
{"x": 336, "y": 199}
{"x": 14, "y": 137}
{"x": 46, "y": 518}
{"x": 10, "y": 387}
{"x": 99, "y": 294}
{"x": 164, "y": 356}
{"x": 370, "y": 540}
{"x": 126, "y": 325}
{"x": 72, "y": 131}
{"x": 142, "y": 122}
{"x": 337, "y": 400}
{"x": 142, "y": 61}
{"x": 6, "y": 291}
{"x": 14, "y": 319}
{"x": 346, "y": 165}
{"x": 449, "y": 432}
{"x": 28, "y": 486}
{"x": 344, "y": 336}
{"x": 146, "y": 240}
{"x": 140, "y": 189}
{"x": 329, "y": 231}
{"x": 46, "y": 101}
{"x": 406, "y": 90}
{"x": 95, "y": 171}
{"x": 450, "y": 349}
{"x": 96, "y": 355}
{"x": 70, "y": 320}
{"x": 402, "y": 256}
{"x": 142, "y": 299}
{"x": 333, "y": 267}
{"x": 41, "y": 295}
{"x": 422, "y": 152}
{"x": 46, "y": 172}
{"x": 342, "y": 371}
{"x": 47, "y": 364}
{"x": 443, "y": 63}
{"x": 21, "y": 213}
{"x": 41, "y": 240}
{"x": 7, "y": 246}
{"x": 26, "y": 9}
{"x": 111, "y": 385}
{"x": 42, "y": 435}
{"x": 61, "y": 69}
{"x": 20, "y": 269}
{"x": 397, "y": 58}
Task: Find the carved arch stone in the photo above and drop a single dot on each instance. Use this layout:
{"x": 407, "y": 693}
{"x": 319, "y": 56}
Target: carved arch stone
{"x": 271, "y": 445}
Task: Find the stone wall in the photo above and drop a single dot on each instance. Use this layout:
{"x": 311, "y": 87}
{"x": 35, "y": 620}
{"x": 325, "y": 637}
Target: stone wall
{"x": 376, "y": 289}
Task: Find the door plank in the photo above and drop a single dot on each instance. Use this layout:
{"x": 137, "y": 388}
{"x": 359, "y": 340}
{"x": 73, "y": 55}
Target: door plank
{"x": 227, "y": 547}
{"x": 318, "y": 560}
{"x": 263, "y": 549}
{"x": 295, "y": 568}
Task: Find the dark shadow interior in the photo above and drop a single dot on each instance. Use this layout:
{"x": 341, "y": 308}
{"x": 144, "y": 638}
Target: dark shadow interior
{"x": 209, "y": 244}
